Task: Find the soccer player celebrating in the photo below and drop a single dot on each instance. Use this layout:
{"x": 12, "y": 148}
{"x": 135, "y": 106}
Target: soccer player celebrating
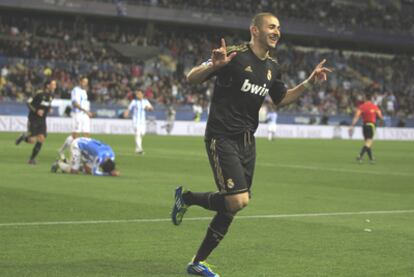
{"x": 245, "y": 74}
{"x": 138, "y": 108}
{"x": 369, "y": 112}
{"x": 89, "y": 156}
{"x": 39, "y": 106}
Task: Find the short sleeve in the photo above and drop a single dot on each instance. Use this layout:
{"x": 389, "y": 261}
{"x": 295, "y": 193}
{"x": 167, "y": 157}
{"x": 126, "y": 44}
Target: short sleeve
{"x": 131, "y": 105}
{"x": 277, "y": 91}
{"x": 75, "y": 96}
{"x": 35, "y": 102}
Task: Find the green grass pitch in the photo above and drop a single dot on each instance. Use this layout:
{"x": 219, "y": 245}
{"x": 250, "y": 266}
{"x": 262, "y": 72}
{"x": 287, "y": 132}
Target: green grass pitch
{"x": 312, "y": 191}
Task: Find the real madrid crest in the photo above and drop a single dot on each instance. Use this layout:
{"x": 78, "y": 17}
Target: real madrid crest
{"x": 269, "y": 74}
{"x": 230, "y": 183}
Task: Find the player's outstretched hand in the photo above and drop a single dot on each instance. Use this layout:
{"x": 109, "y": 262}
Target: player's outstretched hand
{"x": 91, "y": 114}
{"x": 351, "y": 131}
{"x": 319, "y": 74}
{"x": 115, "y": 173}
{"x": 219, "y": 56}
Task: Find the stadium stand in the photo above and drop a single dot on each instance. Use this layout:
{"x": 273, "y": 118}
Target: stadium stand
{"x": 34, "y": 47}
{"x": 377, "y": 14}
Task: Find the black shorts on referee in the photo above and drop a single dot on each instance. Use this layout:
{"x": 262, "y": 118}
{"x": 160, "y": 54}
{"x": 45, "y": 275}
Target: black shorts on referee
{"x": 368, "y": 130}
{"x": 232, "y": 160}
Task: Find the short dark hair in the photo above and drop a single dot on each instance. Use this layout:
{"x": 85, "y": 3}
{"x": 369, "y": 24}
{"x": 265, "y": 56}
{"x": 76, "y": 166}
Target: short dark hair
{"x": 81, "y": 77}
{"x": 369, "y": 95}
{"x": 108, "y": 165}
{"x": 47, "y": 82}
{"x": 257, "y": 20}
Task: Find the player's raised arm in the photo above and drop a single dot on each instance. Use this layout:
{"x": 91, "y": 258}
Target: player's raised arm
{"x": 219, "y": 58}
{"x": 319, "y": 74}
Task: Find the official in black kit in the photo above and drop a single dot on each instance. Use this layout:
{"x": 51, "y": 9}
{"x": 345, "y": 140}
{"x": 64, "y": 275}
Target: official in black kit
{"x": 39, "y": 107}
{"x": 245, "y": 74}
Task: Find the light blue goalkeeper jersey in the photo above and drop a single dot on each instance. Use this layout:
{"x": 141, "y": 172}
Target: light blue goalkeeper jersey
{"x": 94, "y": 153}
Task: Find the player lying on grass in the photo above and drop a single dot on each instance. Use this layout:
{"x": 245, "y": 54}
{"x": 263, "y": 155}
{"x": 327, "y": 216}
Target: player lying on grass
{"x": 89, "y": 156}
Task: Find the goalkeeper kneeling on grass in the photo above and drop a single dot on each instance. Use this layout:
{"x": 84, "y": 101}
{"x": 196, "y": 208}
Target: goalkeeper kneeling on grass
{"x": 89, "y": 156}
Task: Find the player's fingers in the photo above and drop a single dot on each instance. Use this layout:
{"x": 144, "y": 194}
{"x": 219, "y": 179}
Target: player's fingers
{"x": 325, "y": 69}
{"x": 223, "y": 43}
{"x": 220, "y": 50}
{"x": 217, "y": 53}
{"x": 321, "y": 63}
{"x": 232, "y": 55}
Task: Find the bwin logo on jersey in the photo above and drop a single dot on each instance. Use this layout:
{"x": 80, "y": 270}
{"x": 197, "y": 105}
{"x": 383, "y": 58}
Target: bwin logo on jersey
{"x": 255, "y": 89}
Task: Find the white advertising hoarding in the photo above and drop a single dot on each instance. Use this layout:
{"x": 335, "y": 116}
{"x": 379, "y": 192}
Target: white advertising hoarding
{"x": 190, "y": 128}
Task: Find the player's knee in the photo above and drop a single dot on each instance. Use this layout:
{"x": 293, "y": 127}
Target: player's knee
{"x": 241, "y": 204}
{"x": 31, "y": 140}
{"x": 237, "y": 206}
{"x": 237, "y": 202}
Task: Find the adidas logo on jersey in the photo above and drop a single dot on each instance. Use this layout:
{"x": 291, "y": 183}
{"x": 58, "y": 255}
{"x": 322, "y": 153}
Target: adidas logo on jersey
{"x": 253, "y": 88}
{"x": 248, "y": 69}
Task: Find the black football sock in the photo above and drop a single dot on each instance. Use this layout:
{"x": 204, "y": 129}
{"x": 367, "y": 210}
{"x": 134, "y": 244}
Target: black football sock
{"x": 363, "y": 150}
{"x": 212, "y": 201}
{"x": 21, "y": 138}
{"x": 215, "y": 233}
{"x": 369, "y": 151}
{"x": 36, "y": 150}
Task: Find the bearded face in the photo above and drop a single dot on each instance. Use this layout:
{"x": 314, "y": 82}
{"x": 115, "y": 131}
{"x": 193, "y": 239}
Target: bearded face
{"x": 268, "y": 33}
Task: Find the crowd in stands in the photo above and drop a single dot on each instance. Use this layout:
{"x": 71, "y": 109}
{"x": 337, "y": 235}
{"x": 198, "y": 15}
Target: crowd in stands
{"x": 65, "y": 51}
{"x": 397, "y": 15}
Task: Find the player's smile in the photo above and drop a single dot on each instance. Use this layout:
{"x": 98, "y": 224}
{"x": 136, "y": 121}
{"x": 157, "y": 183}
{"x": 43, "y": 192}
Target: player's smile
{"x": 274, "y": 38}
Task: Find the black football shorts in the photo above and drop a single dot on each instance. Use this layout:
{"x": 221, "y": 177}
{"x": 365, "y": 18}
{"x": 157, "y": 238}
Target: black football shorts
{"x": 368, "y": 129}
{"x": 36, "y": 127}
{"x": 232, "y": 160}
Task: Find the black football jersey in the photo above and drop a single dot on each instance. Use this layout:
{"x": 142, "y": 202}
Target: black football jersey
{"x": 240, "y": 89}
{"x": 41, "y": 100}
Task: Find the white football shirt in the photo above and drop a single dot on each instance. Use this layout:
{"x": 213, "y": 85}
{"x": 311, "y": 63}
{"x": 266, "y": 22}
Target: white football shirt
{"x": 80, "y": 96}
{"x": 137, "y": 108}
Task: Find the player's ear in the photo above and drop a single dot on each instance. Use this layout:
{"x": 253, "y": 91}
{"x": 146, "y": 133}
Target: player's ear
{"x": 254, "y": 31}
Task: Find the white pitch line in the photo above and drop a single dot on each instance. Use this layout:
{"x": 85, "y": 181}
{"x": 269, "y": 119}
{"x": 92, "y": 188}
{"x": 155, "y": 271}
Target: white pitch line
{"x": 196, "y": 156}
{"x": 317, "y": 168}
{"x": 149, "y": 220}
